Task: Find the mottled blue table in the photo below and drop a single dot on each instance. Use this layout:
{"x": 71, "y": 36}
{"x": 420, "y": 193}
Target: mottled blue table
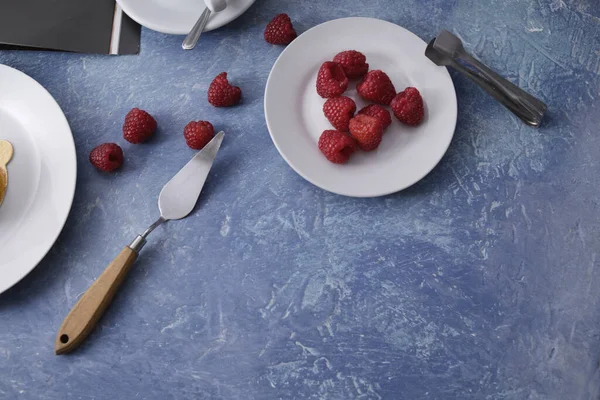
{"x": 480, "y": 282}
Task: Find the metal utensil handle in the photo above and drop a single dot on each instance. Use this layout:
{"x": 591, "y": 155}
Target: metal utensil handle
{"x": 192, "y": 38}
{"x": 498, "y": 80}
{"x": 515, "y": 108}
{"x": 526, "y": 105}
{"x": 85, "y": 314}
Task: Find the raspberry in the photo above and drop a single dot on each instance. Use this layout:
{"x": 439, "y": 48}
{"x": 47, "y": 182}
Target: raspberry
{"x": 107, "y": 157}
{"x": 280, "y": 30}
{"x": 198, "y": 134}
{"x": 408, "y": 106}
{"x": 339, "y": 111}
{"x": 336, "y": 146}
{"x": 377, "y": 87}
{"x": 353, "y": 63}
{"x": 377, "y": 111}
{"x": 139, "y": 126}
{"x": 221, "y": 93}
{"x": 367, "y": 131}
{"x": 332, "y": 80}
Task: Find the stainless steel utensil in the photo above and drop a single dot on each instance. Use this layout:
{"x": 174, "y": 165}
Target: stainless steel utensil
{"x": 447, "y": 49}
{"x": 212, "y": 6}
{"x": 176, "y": 200}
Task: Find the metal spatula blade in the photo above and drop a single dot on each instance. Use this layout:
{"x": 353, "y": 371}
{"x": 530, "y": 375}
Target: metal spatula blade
{"x": 179, "y": 196}
{"x": 176, "y": 200}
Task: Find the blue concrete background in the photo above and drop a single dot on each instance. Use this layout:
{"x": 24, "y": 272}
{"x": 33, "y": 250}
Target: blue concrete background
{"x": 480, "y": 282}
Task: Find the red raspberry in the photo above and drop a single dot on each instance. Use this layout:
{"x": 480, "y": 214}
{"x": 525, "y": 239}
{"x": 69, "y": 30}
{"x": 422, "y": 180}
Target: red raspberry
{"x": 107, "y": 157}
{"x": 222, "y": 94}
{"x": 377, "y": 87}
{"x": 408, "y": 106}
{"x": 353, "y": 63}
{"x": 331, "y": 81}
{"x": 198, "y": 134}
{"x": 280, "y": 30}
{"x": 377, "y": 111}
{"x": 367, "y": 131}
{"x": 337, "y": 146}
{"x": 339, "y": 111}
{"x": 139, "y": 126}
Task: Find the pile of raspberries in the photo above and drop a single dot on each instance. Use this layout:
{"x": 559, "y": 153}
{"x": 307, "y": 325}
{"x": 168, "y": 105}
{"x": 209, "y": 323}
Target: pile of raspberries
{"x": 363, "y": 130}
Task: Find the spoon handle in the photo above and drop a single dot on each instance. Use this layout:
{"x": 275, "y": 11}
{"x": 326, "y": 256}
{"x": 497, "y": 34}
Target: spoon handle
{"x": 84, "y": 315}
{"x": 192, "y": 38}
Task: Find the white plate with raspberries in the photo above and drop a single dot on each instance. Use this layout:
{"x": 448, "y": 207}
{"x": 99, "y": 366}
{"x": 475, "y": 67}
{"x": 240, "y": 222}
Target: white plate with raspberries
{"x": 41, "y": 174}
{"x": 355, "y": 107}
{"x": 177, "y": 17}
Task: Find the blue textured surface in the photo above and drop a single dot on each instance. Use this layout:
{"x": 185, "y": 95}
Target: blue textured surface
{"x": 480, "y": 282}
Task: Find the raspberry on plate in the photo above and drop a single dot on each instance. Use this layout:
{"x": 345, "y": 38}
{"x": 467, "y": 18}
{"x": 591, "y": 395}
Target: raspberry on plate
{"x": 280, "y": 30}
{"x": 139, "y": 126}
{"x": 354, "y": 63}
{"x": 222, "y": 94}
{"x": 339, "y": 111}
{"x": 107, "y": 157}
{"x": 377, "y": 111}
{"x": 332, "y": 80}
{"x": 376, "y": 87}
{"x": 408, "y": 106}
{"x": 367, "y": 131}
{"x": 336, "y": 146}
{"x": 198, "y": 133}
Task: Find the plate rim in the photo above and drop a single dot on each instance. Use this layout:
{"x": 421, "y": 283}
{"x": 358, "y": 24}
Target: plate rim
{"x": 290, "y": 48}
{"x": 73, "y": 185}
{"x": 163, "y": 29}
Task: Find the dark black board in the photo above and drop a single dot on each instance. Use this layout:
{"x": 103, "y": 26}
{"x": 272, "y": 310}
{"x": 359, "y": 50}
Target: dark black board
{"x": 68, "y": 25}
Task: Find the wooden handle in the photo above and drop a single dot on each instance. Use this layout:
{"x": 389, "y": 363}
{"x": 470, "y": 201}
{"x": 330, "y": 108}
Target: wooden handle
{"x": 83, "y": 317}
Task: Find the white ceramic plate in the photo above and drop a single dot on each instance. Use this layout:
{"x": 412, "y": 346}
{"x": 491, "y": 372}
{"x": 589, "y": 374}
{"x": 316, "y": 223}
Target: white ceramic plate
{"x": 295, "y": 119}
{"x": 41, "y": 175}
{"x": 177, "y": 17}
